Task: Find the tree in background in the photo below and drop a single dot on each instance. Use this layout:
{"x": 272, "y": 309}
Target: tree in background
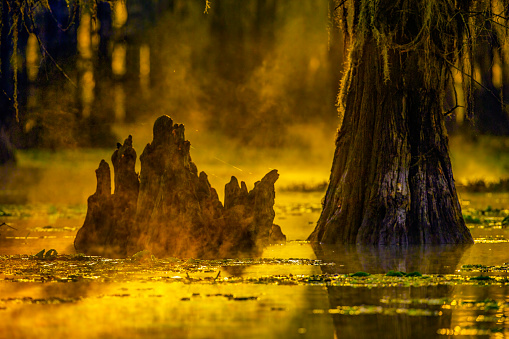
{"x": 490, "y": 62}
{"x": 68, "y": 44}
{"x": 250, "y": 70}
{"x": 9, "y": 36}
{"x": 268, "y": 69}
{"x": 391, "y": 181}
{"x": 52, "y": 24}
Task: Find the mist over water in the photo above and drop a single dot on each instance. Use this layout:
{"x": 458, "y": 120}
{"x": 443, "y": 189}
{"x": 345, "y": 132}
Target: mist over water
{"x": 253, "y": 82}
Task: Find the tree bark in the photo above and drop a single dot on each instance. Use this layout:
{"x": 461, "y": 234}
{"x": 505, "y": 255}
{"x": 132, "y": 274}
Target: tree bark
{"x": 391, "y": 181}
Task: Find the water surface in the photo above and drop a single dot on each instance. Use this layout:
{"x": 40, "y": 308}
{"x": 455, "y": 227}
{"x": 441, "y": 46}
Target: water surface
{"x": 297, "y": 290}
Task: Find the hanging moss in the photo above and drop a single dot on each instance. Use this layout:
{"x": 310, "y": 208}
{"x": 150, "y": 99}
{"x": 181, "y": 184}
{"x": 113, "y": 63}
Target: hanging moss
{"x": 442, "y": 32}
{"x": 391, "y": 181}
{"x": 18, "y": 15}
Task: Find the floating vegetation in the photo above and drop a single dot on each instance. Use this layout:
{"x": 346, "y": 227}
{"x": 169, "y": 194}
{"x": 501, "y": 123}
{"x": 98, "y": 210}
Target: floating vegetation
{"x": 395, "y": 274}
{"x": 413, "y": 274}
{"x": 374, "y": 309}
{"x": 50, "y": 228}
{"x": 484, "y": 268}
{"x": 471, "y": 219}
{"x": 498, "y": 239}
{"x": 403, "y": 274}
{"x": 49, "y": 266}
{"x": 39, "y": 301}
{"x": 505, "y": 221}
{"x": 456, "y": 331}
{"x": 360, "y": 274}
{"x": 421, "y": 301}
{"x": 4, "y": 214}
{"x": 38, "y": 210}
{"x": 482, "y": 278}
{"x": 489, "y": 217}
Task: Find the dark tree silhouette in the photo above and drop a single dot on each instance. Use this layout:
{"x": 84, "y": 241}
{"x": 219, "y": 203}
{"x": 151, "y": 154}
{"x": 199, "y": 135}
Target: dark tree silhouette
{"x": 11, "y": 35}
{"x": 391, "y": 181}
{"x": 490, "y": 116}
{"x": 54, "y": 22}
{"x": 55, "y": 25}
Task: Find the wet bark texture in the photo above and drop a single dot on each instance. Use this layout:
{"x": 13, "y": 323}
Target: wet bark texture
{"x": 391, "y": 181}
{"x": 170, "y": 209}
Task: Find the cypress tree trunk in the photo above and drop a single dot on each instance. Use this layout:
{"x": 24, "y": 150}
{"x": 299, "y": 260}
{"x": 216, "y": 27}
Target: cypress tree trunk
{"x": 391, "y": 181}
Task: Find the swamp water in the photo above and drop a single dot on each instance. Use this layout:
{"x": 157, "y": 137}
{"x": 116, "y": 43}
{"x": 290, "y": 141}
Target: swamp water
{"x": 292, "y": 291}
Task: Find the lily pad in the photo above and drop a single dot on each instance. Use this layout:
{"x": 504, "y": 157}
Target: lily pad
{"x": 360, "y": 274}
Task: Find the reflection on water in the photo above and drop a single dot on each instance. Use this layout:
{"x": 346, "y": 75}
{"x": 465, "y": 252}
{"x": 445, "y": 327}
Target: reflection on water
{"x": 387, "y": 311}
{"x": 280, "y": 297}
{"x": 424, "y": 259}
{"x": 406, "y": 309}
{"x": 297, "y": 290}
{"x": 388, "y": 318}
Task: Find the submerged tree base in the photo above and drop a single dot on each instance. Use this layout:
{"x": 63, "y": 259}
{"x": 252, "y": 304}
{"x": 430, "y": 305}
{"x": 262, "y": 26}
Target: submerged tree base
{"x": 170, "y": 209}
{"x": 391, "y": 181}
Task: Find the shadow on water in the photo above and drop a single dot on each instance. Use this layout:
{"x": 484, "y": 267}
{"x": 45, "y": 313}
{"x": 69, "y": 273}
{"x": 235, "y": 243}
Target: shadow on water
{"x": 426, "y": 259}
{"x": 385, "y": 310}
